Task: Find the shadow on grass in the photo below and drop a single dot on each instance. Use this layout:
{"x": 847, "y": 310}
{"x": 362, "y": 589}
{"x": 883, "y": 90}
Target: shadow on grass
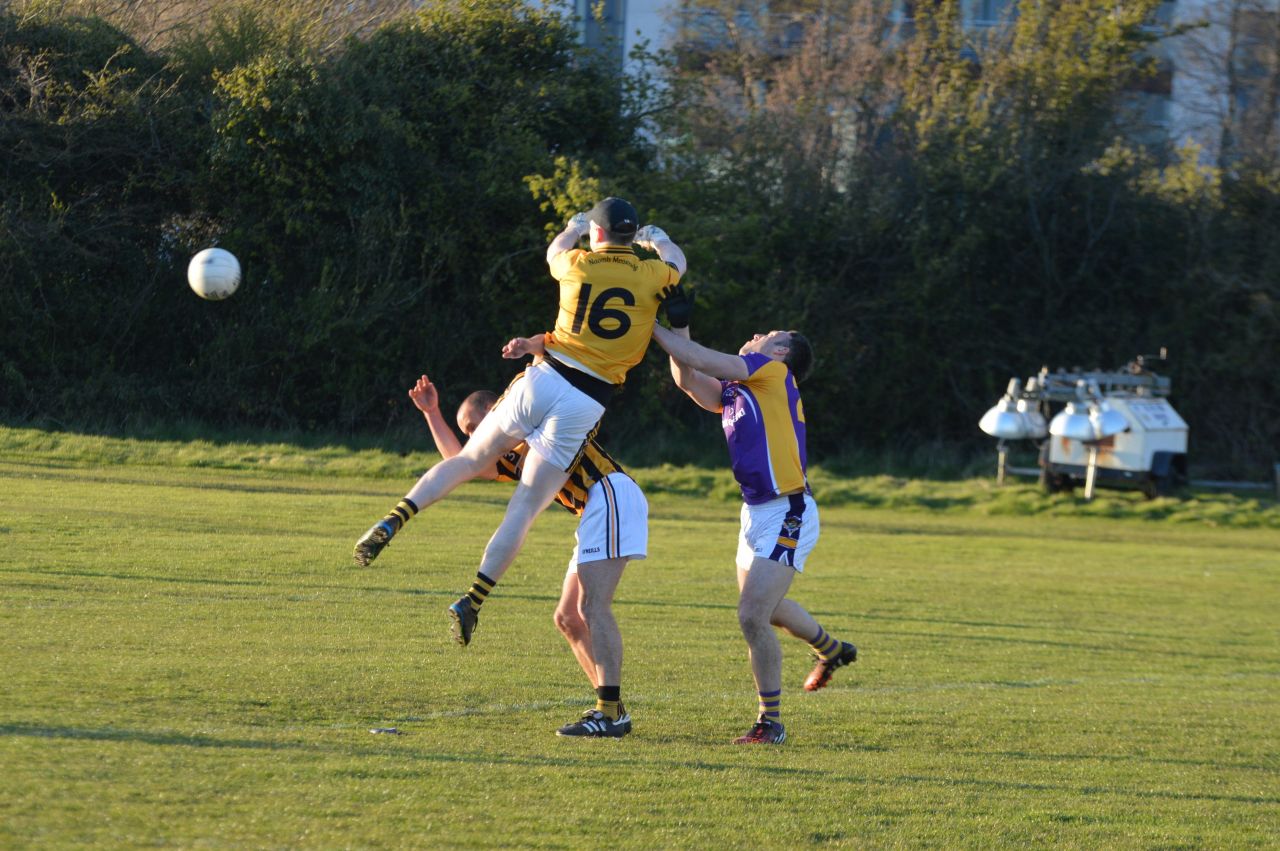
{"x": 1081, "y": 791}
{"x": 1127, "y": 633}
{"x": 592, "y": 758}
{"x": 54, "y": 470}
{"x": 97, "y": 574}
{"x": 1070, "y": 645}
{"x": 1120, "y": 758}
{"x": 147, "y": 737}
{"x": 453, "y": 591}
{"x": 292, "y": 587}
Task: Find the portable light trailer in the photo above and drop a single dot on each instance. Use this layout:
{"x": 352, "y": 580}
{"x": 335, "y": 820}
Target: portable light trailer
{"x": 1118, "y": 428}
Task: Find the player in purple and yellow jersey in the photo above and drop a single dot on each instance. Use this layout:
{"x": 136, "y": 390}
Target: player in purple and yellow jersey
{"x": 609, "y": 298}
{"x": 612, "y": 530}
{"x": 763, "y": 418}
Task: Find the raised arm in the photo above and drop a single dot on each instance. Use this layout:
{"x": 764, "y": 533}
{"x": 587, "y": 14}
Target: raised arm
{"x": 713, "y": 363}
{"x": 698, "y": 386}
{"x": 518, "y": 347}
{"x": 568, "y": 238}
{"x": 656, "y": 240}
{"x": 426, "y": 399}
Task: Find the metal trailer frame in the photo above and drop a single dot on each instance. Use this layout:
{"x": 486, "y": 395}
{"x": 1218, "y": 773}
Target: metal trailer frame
{"x": 1142, "y": 394}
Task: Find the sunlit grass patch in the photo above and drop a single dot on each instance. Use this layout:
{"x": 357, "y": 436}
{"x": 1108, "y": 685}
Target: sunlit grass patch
{"x": 191, "y": 659}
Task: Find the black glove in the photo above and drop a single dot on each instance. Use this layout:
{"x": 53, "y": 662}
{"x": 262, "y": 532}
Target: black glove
{"x": 679, "y": 306}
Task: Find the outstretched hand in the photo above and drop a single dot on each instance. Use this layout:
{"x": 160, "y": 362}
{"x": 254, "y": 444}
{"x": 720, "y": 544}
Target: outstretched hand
{"x": 424, "y": 395}
{"x": 520, "y": 346}
{"x": 579, "y": 223}
{"x": 650, "y": 235}
{"x": 517, "y": 348}
{"x": 679, "y": 306}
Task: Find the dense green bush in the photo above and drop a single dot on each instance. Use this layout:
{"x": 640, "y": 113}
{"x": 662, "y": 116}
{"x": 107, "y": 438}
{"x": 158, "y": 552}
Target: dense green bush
{"x": 937, "y": 218}
{"x": 375, "y": 194}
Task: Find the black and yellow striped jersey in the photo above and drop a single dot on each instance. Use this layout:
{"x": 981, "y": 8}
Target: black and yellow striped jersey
{"x": 592, "y": 466}
{"x": 608, "y": 301}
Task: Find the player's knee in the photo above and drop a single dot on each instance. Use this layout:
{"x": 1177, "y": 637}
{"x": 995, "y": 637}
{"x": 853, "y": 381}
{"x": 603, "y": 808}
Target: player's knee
{"x": 753, "y": 618}
{"x": 570, "y": 623}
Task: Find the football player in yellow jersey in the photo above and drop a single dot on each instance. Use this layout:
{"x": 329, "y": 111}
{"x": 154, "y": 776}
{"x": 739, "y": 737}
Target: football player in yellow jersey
{"x": 755, "y": 392}
{"x": 609, "y": 296}
{"x": 556, "y": 404}
{"x": 613, "y": 529}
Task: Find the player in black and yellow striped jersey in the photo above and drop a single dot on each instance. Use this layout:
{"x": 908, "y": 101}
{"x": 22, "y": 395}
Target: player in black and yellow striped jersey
{"x": 592, "y": 466}
{"x": 613, "y": 529}
{"x": 601, "y": 332}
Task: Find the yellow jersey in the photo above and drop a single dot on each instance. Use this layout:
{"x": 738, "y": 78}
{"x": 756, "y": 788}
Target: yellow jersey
{"x": 608, "y": 301}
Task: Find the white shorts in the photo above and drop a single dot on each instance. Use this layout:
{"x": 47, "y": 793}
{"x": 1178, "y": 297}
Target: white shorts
{"x": 782, "y": 530}
{"x": 547, "y": 412}
{"x": 614, "y": 524}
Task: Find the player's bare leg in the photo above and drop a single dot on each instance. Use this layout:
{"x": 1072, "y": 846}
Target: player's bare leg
{"x": 828, "y": 653}
{"x": 792, "y": 617}
{"x": 480, "y": 453}
{"x": 568, "y": 619}
{"x": 540, "y": 481}
{"x": 762, "y": 588}
{"x": 597, "y": 582}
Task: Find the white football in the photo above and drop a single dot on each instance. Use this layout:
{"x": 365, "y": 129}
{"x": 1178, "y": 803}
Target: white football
{"x": 214, "y": 274}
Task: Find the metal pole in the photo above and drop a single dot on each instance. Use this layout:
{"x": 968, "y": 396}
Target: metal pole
{"x": 1091, "y": 473}
{"x": 1277, "y": 481}
{"x": 1002, "y": 456}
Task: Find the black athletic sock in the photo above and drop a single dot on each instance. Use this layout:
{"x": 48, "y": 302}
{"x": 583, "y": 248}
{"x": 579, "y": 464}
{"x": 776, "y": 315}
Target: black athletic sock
{"x": 609, "y": 701}
{"x": 401, "y": 514}
{"x": 480, "y": 590}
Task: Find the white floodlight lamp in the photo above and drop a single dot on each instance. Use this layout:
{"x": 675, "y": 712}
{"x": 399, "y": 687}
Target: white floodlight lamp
{"x": 1003, "y": 421}
{"x": 1072, "y": 422}
{"x": 1106, "y": 420}
{"x": 1037, "y": 427}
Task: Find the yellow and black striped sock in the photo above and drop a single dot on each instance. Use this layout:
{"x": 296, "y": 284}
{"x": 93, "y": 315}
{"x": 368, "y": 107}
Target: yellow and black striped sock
{"x": 400, "y": 515}
{"x": 824, "y": 645}
{"x": 479, "y": 590}
{"x": 609, "y": 701}
{"x": 771, "y": 704}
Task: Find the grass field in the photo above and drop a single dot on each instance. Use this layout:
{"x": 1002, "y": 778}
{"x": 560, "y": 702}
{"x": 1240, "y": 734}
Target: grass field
{"x": 191, "y": 660}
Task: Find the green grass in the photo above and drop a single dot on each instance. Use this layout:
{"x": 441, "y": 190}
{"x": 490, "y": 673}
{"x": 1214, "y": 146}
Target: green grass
{"x": 190, "y": 660}
{"x": 970, "y": 496}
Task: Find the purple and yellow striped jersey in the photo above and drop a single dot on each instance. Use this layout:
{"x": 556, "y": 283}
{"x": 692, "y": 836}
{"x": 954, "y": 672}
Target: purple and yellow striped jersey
{"x": 593, "y": 465}
{"x": 763, "y": 422}
{"x": 608, "y": 301}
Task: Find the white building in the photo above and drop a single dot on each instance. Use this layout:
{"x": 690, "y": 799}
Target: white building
{"x": 1225, "y": 78}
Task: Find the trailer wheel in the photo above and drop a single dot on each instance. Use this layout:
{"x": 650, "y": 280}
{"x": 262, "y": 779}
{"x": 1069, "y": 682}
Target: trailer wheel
{"x": 1055, "y": 482}
{"x": 1052, "y": 482}
{"x": 1157, "y": 486}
